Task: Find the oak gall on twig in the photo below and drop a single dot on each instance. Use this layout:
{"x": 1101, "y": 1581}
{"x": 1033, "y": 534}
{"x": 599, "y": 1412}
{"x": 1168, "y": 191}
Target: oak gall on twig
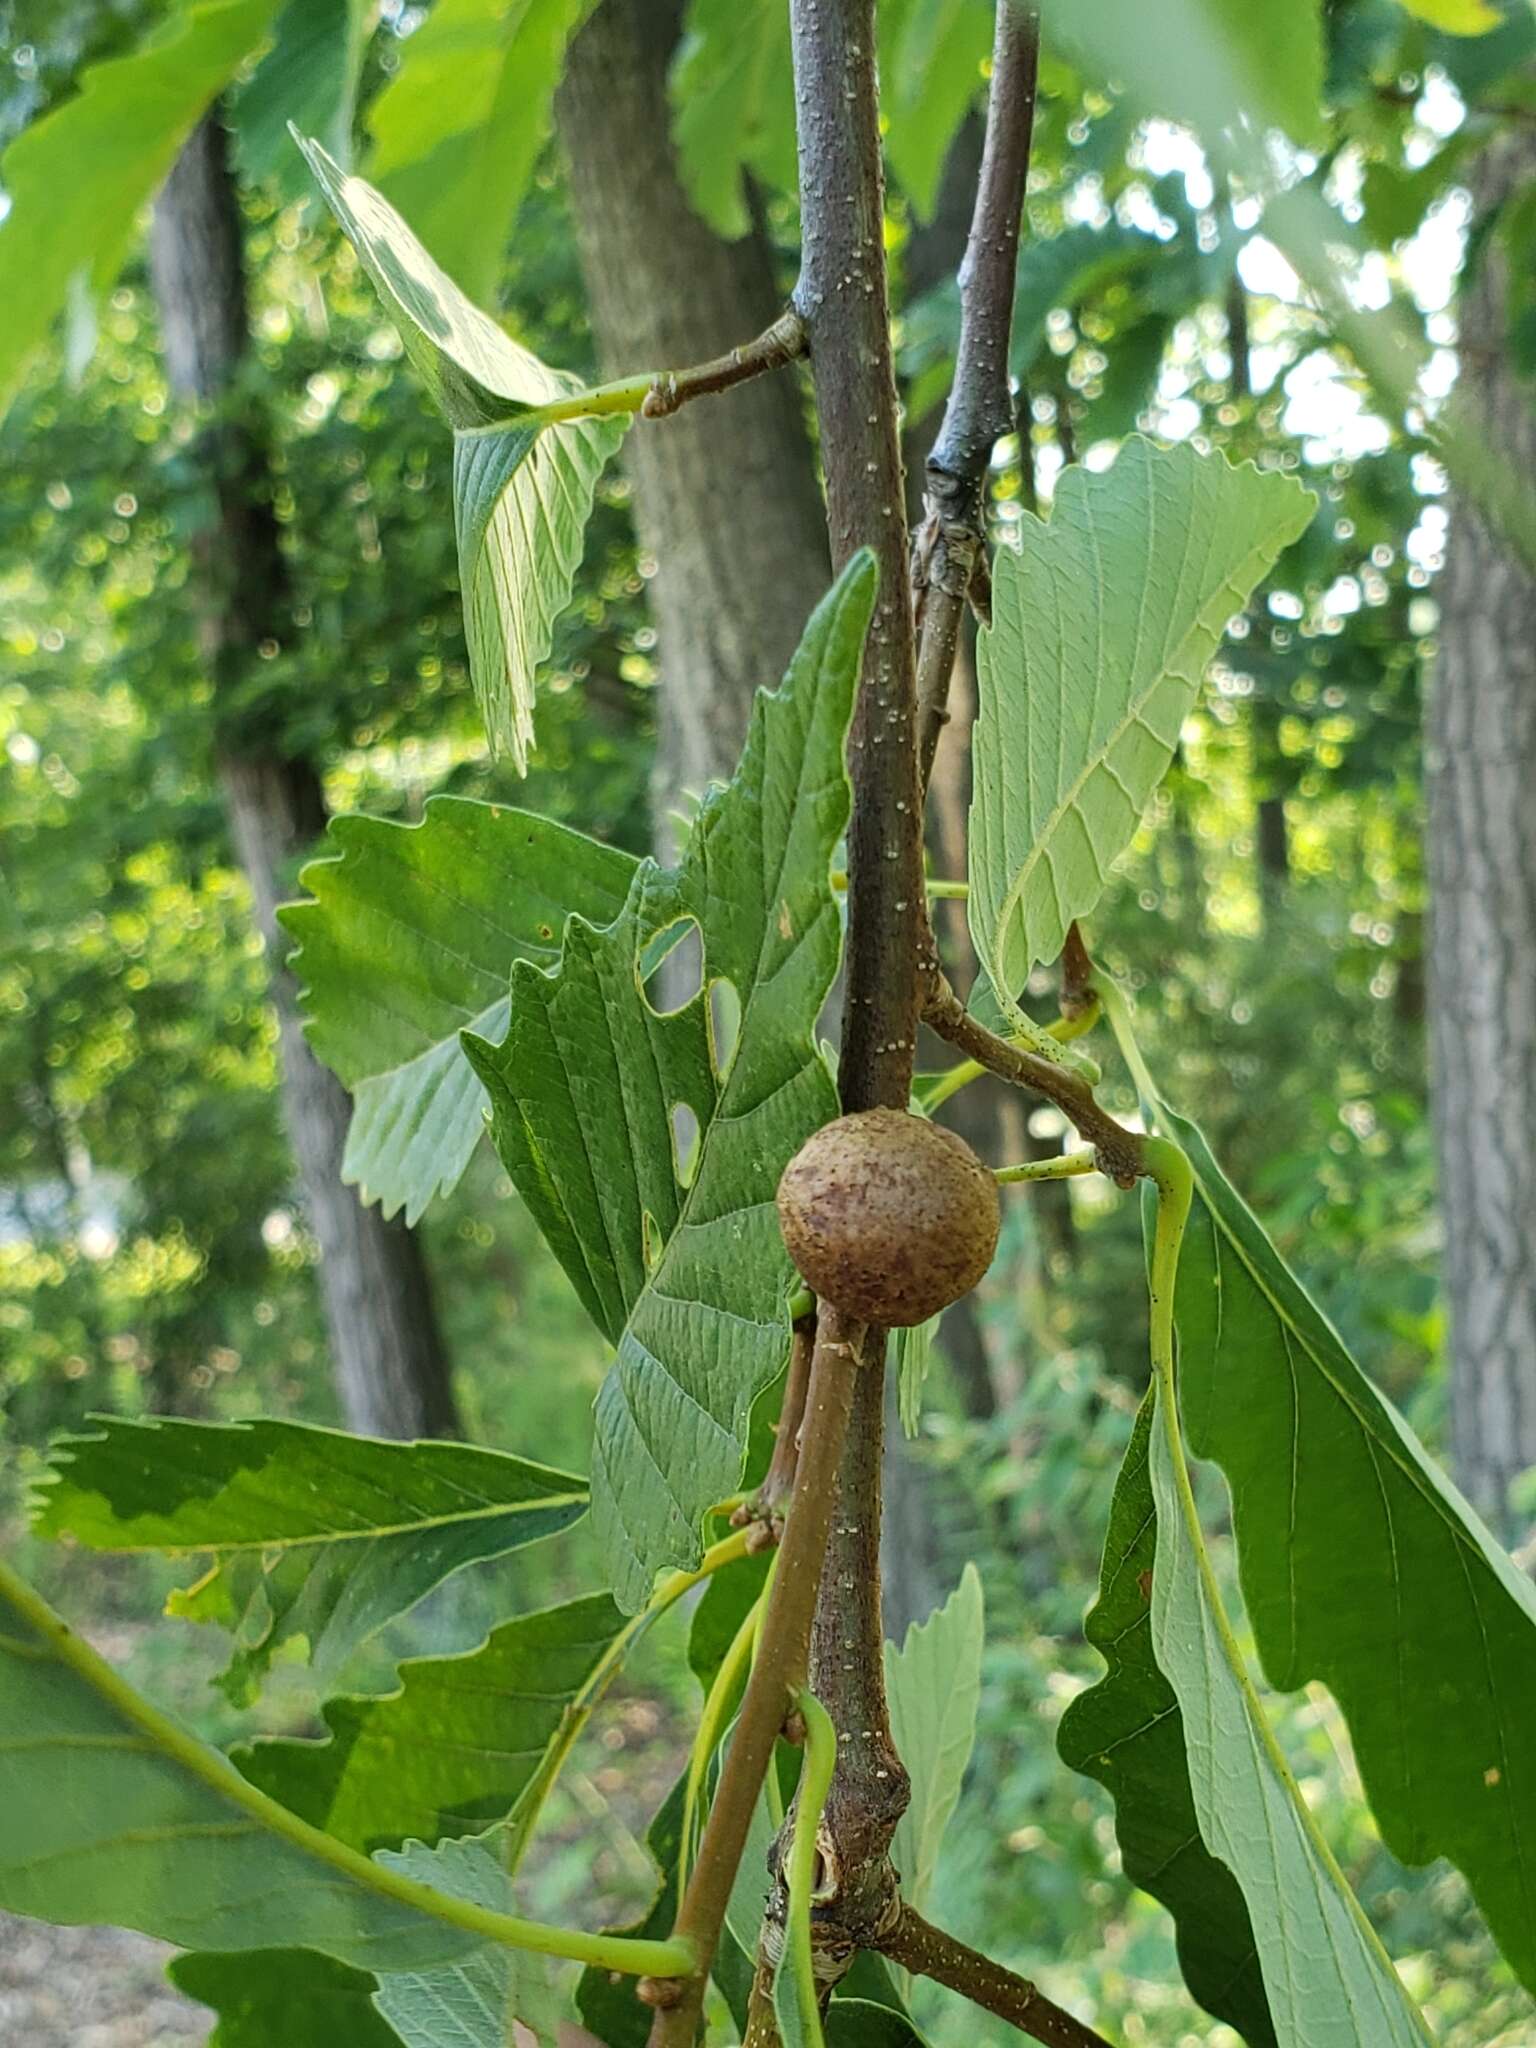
{"x": 888, "y": 1217}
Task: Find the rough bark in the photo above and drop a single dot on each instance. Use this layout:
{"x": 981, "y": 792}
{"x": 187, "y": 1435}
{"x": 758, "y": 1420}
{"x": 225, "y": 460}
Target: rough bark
{"x": 725, "y": 493}
{"x": 1481, "y": 768}
{"x": 387, "y": 1356}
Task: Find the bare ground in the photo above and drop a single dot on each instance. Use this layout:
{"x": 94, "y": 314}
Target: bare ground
{"x": 90, "y": 1987}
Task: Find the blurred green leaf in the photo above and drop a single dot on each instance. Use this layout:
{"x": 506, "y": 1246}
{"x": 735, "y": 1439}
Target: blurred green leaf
{"x": 671, "y": 1238}
{"x": 1128, "y": 1732}
{"x": 933, "y": 55}
{"x": 1456, "y": 17}
{"x": 1081, "y": 706}
{"x": 1229, "y": 68}
{"x": 933, "y": 1682}
{"x": 522, "y": 488}
{"x": 458, "y": 130}
{"x": 409, "y": 939}
{"x": 733, "y": 107}
{"x": 308, "y": 78}
{"x": 450, "y": 1751}
{"x": 312, "y": 1533}
{"x": 77, "y": 177}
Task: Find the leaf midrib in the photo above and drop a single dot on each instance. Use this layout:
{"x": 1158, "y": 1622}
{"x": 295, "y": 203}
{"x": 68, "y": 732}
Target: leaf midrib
{"x": 490, "y": 1512}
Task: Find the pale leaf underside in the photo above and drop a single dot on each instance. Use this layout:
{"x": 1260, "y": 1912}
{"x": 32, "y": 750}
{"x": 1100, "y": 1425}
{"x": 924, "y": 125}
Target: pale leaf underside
{"x": 1103, "y": 623}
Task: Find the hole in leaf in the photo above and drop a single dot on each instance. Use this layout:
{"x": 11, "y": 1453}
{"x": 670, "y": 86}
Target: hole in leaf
{"x": 685, "y": 1142}
{"x": 724, "y": 1023}
{"x": 652, "y": 1243}
{"x": 672, "y": 966}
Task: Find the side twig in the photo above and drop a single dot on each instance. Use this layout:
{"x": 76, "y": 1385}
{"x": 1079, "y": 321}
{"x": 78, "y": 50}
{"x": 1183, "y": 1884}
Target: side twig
{"x": 949, "y": 551}
{"x": 928, "y": 1952}
{"x": 776, "y": 346}
{"x": 658, "y": 393}
{"x": 1117, "y": 1150}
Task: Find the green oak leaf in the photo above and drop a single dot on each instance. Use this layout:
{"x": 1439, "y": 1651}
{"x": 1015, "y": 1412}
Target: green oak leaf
{"x": 458, "y": 129}
{"x": 451, "y": 1751}
{"x": 1362, "y": 1567}
{"x": 311, "y": 1533}
{"x": 522, "y": 485}
{"x": 1328, "y": 1980}
{"x": 1128, "y": 1732}
{"x": 1081, "y": 704}
{"x": 117, "y": 1816}
{"x": 733, "y": 107}
{"x": 408, "y": 938}
{"x": 77, "y": 178}
{"x": 294, "y": 1996}
{"x": 674, "y": 1247}
{"x": 933, "y": 1682}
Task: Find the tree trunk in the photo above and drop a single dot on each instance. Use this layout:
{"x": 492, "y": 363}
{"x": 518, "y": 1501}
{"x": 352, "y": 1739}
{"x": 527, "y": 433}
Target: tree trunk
{"x": 725, "y": 494}
{"x": 1481, "y": 769}
{"x": 387, "y": 1355}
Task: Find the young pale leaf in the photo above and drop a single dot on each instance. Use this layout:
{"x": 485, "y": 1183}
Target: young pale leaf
{"x": 1328, "y": 1979}
{"x": 914, "y": 1355}
{"x": 292, "y": 1996}
{"x": 311, "y": 1533}
{"x": 308, "y": 78}
{"x": 452, "y": 1751}
{"x": 473, "y": 2002}
{"x": 934, "y": 1685}
{"x": 115, "y": 1815}
{"x": 1128, "y": 1733}
{"x": 459, "y": 127}
{"x": 1362, "y": 1567}
{"x": 675, "y": 1249}
{"x": 76, "y": 179}
{"x": 1081, "y": 703}
{"x": 409, "y": 938}
{"x": 522, "y": 487}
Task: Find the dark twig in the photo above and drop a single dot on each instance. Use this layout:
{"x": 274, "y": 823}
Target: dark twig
{"x": 928, "y": 1952}
{"x": 777, "y": 345}
{"x": 950, "y": 546}
{"x": 1119, "y": 1151}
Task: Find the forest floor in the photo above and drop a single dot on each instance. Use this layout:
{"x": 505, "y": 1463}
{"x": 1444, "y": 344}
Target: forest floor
{"x": 90, "y": 1987}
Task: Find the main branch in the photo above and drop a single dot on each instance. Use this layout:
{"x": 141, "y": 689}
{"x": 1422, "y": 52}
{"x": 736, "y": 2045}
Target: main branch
{"x": 842, "y": 297}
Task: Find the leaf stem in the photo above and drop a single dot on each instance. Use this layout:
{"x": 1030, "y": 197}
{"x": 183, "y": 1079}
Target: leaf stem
{"x": 928, "y": 1952}
{"x": 658, "y": 393}
{"x": 1066, "y": 1167}
{"x": 810, "y": 1804}
{"x": 214, "y": 1770}
{"x": 525, "y": 1817}
{"x": 711, "y": 1727}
